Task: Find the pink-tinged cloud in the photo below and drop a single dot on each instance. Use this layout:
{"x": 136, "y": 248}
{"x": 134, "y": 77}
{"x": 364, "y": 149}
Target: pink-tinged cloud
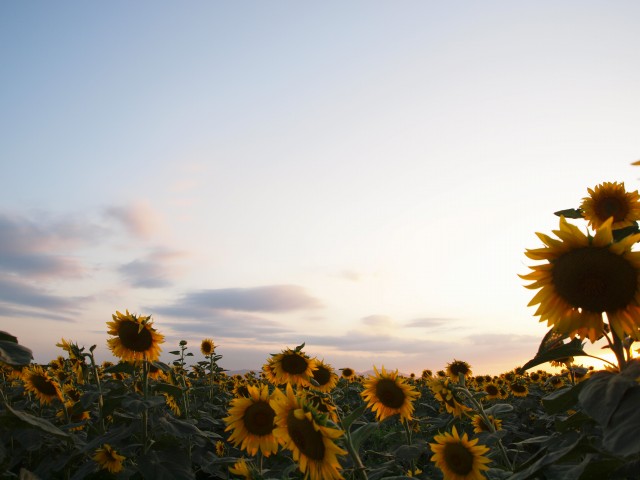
{"x": 140, "y": 219}
{"x": 156, "y": 270}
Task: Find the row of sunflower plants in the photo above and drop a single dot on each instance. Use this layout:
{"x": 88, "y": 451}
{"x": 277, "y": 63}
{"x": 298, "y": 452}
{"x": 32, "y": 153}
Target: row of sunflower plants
{"x": 299, "y": 417}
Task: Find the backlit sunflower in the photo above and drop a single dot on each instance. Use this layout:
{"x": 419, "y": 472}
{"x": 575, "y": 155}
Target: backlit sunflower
{"x": 108, "y": 459}
{"x": 135, "y": 338}
{"x": 387, "y": 394}
{"x": 300, "y": 429}
{"x": 251, "y": 420}
{"x": 479, "y": 425}
{"x": 207, "y": 347}
{"x": 324, "y": 376}
{"x": 610, "y": 199}
{"x": 38, "y": 382}
{"x": 458, "y": 457}
{"x": 585, "y": 277}
{"x": 457, "y": 368}
{"x": 291, "y": 366}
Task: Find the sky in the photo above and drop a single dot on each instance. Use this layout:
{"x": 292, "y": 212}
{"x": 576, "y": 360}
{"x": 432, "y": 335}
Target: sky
{"x": 362, "y": 176}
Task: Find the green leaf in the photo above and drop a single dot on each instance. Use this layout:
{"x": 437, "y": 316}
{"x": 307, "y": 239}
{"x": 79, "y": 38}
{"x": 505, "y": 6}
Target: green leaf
{"x": 569, "y": 213}
{"x": 37, "y": 422}
{"x": 175, "y": 352}
{"x": 7, "y": 337}
{"x": 621, "y": 233}
{"x": 14, "y": 354}
{"x": 499, "y": 409}
{"x": 161, "y": 366}
{"x": 563, "y": 399}
{"x": 120, "y": 367}
{"x": 299, "y": 347}
{"x": 602, "y": 394}
{"x": 362, "y": 433}
{"x": 558, "y": 448}
{"x": 621, "y": 434}
{"x": 353, "y": 416}
{"x": 552, "y": 348}
{"x": 172, "y": 390}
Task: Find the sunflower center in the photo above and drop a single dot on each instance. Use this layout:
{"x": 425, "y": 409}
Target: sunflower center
{"x": 611, "y": 207}
{"x": 389, "y": 393}
{"x": 132, "y": 339}
{"x": 43, "y": 385}
{"x": 595, "y": 279}
{"x": 458, "y": 458}
{"x": 322, "y": 376}
{"x": 258, "y": 418}
{"x": 491, "y": 390}
{"x": 307, "y": 439}
{"x": 294, "y": 364}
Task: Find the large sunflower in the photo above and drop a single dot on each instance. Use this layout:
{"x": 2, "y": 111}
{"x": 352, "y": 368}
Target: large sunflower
{"x": 610, "y": 199}
{"x": 135, "y": 338}
{"x": 387, "y": 394}
{"x": 290, "y": 366}
{"x": 38, "y": 382}
{"x": 458, "y": 457}
{"x": 585, "y": 277}
{"x": 301, "y": 429}
{"x": 251, "y": 420}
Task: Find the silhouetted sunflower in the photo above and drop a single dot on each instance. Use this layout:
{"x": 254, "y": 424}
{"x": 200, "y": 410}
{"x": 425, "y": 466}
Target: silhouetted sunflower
{"x": 135, "y": 338}
{"x": 251, "y": 420}
{"x": 458, "y": 457}
{"x": 38, "y": 382}
{"x": 457, "y": 368}
{"x": 207, "y": 347}
{"x": 387, "y": 394}
{"x": 300, "y": 429}
{"x": 493, "y": 391}
{"x": 585, "y": 277}
{"x": 610, "y": 199}
{"x": 109, "y": 459}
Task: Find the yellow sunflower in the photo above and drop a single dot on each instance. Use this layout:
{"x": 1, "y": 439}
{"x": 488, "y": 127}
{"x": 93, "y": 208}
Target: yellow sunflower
{"x": 251, "y": 420}
{"x": 585, "y": 277}
{"x": 324, "y": 376}
{"x": 135, "y": 338}
{"x": 444, "y": 393}
{"x": 610, "y": 199}
{"x": 38, "y": 382}
{"x": 479, "y": 425}
{"x": 242, "y": 469}
{"x": 299, "y": 428}
{"x": 321, "y": 402}
{"x": 518, "y": 389}
{"x": 458, "y": 457}
{"x": 207, "y": 347}
{"x": 348, "y": 373}
{"x": 457, "y": 368}
{"x": 291, "y": 366}
{"x": 387, "y": 394}
{"x": 492, "y": 390}
{"x": 108, "y": 459}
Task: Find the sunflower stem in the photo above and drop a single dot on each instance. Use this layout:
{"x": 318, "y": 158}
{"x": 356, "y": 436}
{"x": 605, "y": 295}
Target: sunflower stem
{"x": 94, "y": 369}
{"x": 145, "y": 412}
{"x": 618, "y": 349}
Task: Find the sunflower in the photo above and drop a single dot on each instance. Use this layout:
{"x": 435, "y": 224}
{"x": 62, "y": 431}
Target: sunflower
{"x": 610, "y": 199}
{"x": 242, "y": 469}
{"x": 108, "y": 459}
{"x": 444, "y": 393}
{"x": 38, "y": 382}
{"x": 76, "y": 414}
{"x": 518, "y": 389}
{"x": 291, "y": 366}
{"x": 492, "y": 390}
{"x": 207, "y": 347}
{"x": 457, "y": 368}
{"x": 172, "y": 403}
{"x": 221, "y": 448}
{"x": 135, "y": 338}
{"x": 585, "y": 277}
{"x": 321, "y": 402}
{"x": 251, "y": 420}
{"x": 324, "y": 376}
{"x": 479, "y": 425}
{"x": 348, "y": 373}
{"x": 458, "y": 457}
{"x": 302, "y": 430}
{"x": 387, "y": 394}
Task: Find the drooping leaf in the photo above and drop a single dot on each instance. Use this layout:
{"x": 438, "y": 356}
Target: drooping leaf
{"x": 362, "y": 433}
{"x": 563, "y": 399}
{"x": 37, "y": 422}
{"x": 13, "y": 353}
{"x": 553, "y": 348}
{"x": 569, "y": 213}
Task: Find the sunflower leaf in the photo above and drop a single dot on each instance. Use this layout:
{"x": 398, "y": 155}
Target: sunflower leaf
{"x": 299, "y": 347}
{"x": 362, "y": 433}
{"x": 14, "y": 354}
{"x": 353, "y": 416}
{"x": 37, "y": 422}
{"x": 552, "y": 349}
{"x": 569, "y": 213}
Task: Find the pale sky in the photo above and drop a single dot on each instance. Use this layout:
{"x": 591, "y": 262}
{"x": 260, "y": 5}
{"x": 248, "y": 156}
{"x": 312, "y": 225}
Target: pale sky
{"x": 362, "y": 176}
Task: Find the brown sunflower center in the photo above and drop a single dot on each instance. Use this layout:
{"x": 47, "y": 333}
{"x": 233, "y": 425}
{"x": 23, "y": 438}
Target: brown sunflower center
{"x": 258, "y": 418}
{"x": 458, "y": 458}
{"x": 308, "y": 440}
{"x": 389, "y": 393}
{"x": 294, "y": 364}
{"x": 132, "y": 339}
{"x": 322, "y": 375}
{"x": 347, "y": 372}
{"x": 44, "y": 385}
{"x": 595, "y": 279}
{"x": 491, "y": 390}
{"x": 614, "y": 206}
{"x": 206, "y": 348}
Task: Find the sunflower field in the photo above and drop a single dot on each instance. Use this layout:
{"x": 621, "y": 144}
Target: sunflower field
{"x": 302, "y": 418}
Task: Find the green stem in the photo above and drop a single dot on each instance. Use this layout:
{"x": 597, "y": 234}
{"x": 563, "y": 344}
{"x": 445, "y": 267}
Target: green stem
{"x": 145, "y": 412}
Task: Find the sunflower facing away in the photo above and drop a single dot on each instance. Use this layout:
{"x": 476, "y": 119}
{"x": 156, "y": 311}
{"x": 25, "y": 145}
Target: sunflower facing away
{"x": 585, "y": 277}
{"x": 458, "y": 457}
{"x": 444, "y": 392}
{"x": 610, "y": 199}
{"x": 38, "y": 382}
{"x": 387, "y": 394}
{"x": 301, "y": 429}
{"x": 108, "y": 459}
{"x": 290, "y": 366}
{"x": 134, "y": 337}
{"x": 251, "y": 420}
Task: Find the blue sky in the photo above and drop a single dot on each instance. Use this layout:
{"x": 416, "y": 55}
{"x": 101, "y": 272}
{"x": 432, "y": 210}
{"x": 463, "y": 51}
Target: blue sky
{"x": 360, "y": 176}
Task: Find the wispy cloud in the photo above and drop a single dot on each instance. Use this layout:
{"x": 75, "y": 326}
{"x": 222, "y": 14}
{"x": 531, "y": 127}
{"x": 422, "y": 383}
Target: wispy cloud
{"x": 429, "y": 322}
{"x": 14, "y": 292}
{"x": 266, "y": 299}
{"x": 139, "y": 219}
{"x": 155, "y": 270}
